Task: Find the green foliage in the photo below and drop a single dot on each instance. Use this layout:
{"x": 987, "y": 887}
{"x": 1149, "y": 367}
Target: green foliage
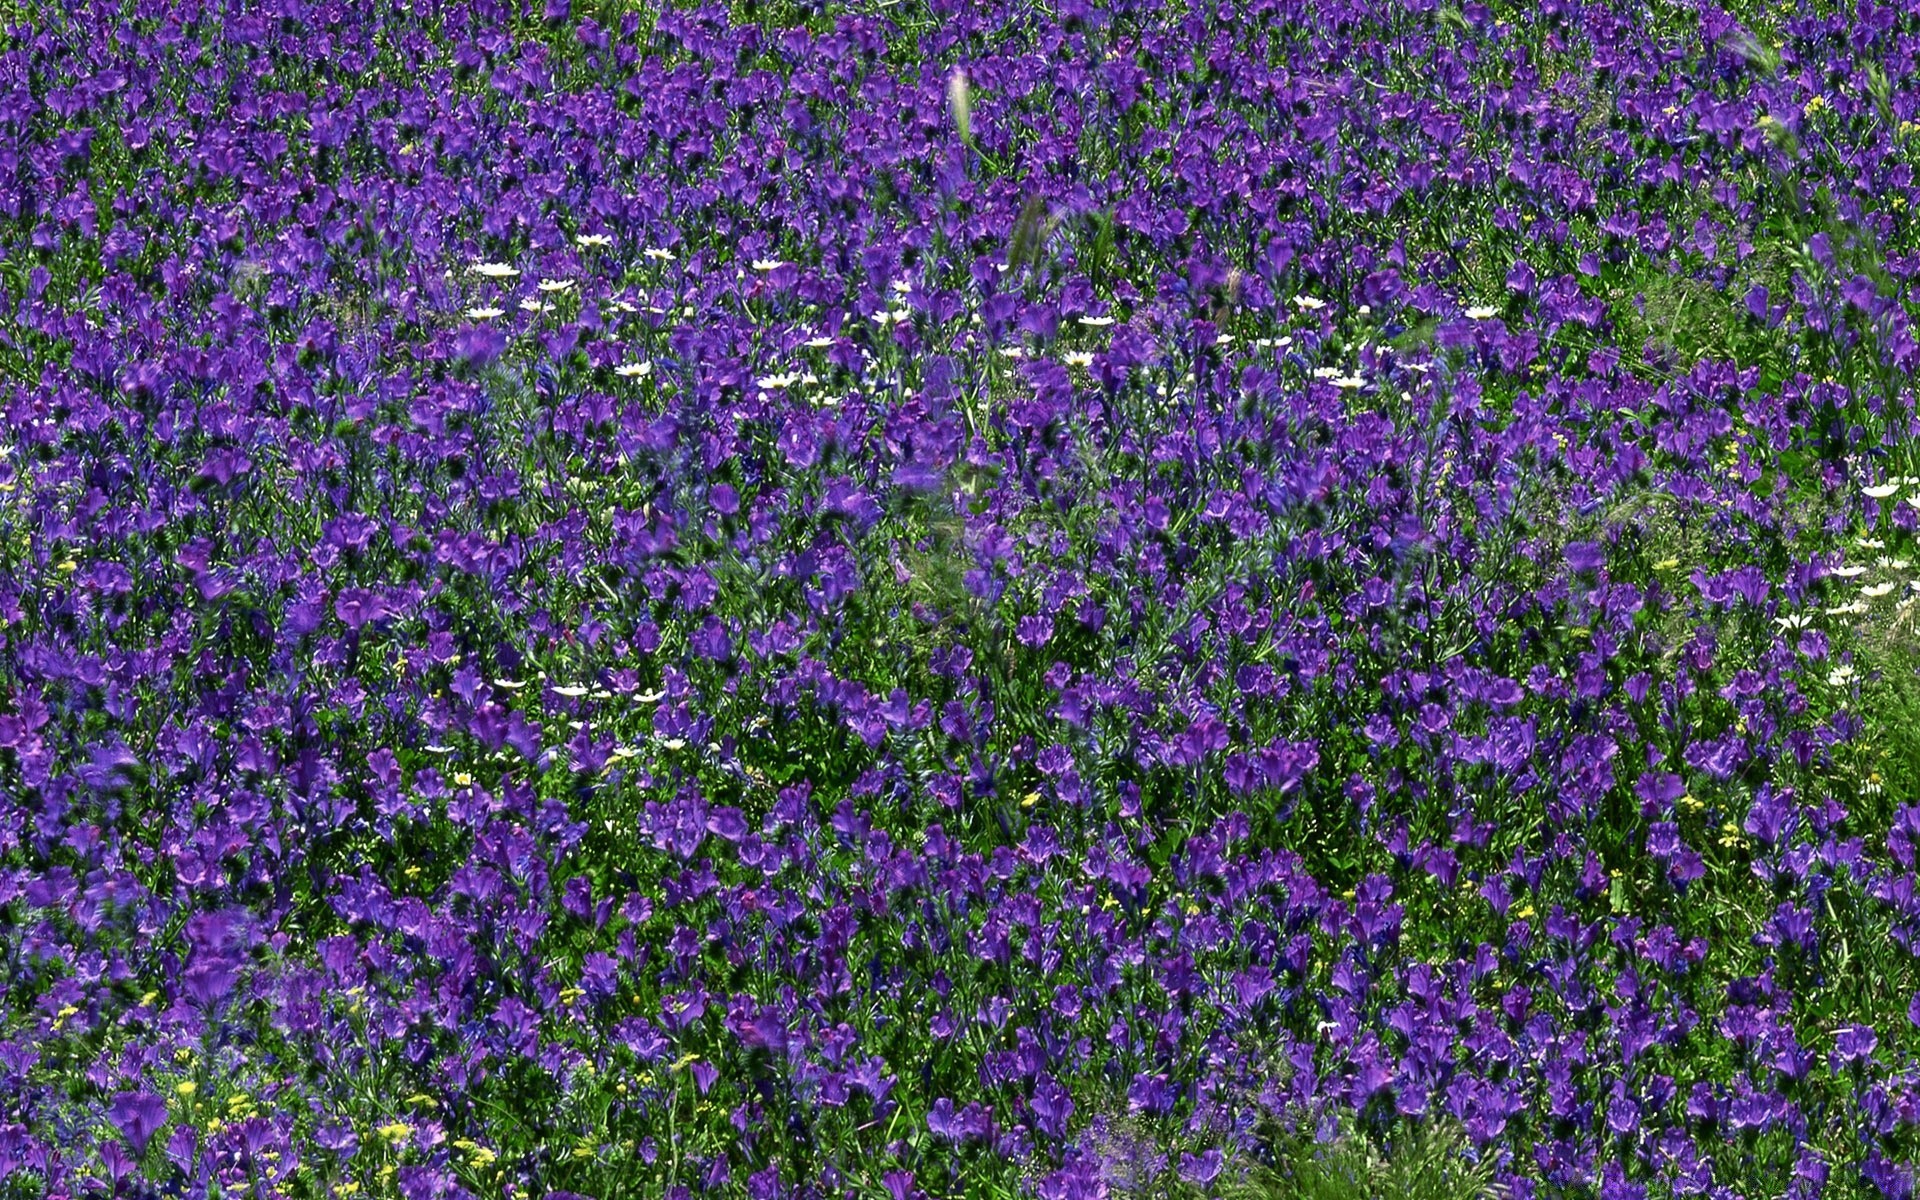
{"x": 1423, "y": 1161}
{"x": 1417, "y": 1160}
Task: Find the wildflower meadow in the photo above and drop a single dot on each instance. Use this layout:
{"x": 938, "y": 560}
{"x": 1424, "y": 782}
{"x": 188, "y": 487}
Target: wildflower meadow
{"x": 920, "y": 599}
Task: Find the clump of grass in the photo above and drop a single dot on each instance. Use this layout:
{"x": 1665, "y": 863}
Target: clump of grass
{"x": 1418, "y": 1160}
{"x": 1881, "y": 650}
{"x": 1428, "y": 1160}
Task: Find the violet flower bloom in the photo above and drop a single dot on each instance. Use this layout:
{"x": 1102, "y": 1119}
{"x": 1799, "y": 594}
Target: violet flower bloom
{"x": 138, "y": 1116}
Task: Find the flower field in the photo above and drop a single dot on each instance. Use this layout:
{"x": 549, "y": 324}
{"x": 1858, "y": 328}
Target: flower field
{"x": 909, "y": 599}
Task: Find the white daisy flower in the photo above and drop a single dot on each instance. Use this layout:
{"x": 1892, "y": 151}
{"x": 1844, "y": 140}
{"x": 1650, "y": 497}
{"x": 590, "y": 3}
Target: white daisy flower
{"x": 1309, "y": 303}
{"x": 1848, "y": 572}
{"x": 1876, "y": 590}
{"x": 820, "y": 343}
{"x": 532, "y": 305}
{"x": 637, "y": 370}
{"x": 1078, "y": 358}
{"x": 555, "y": 285}
{"x": 767, "y": 264}
{"x": 1880, "y": 491}
{"x": 658, "y": 254}
{"x": 485, "y": 314}
{"x": 1482, "y": 312}
{"x": 593, "y": 239}
{"x": 493, "y": 270}
{"x": 1096, "y": 322}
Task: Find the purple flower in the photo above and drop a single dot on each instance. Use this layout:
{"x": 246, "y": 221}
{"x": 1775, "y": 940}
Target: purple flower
{"x": 1853, "y": 1044}
{"x": 138, "y": 1116}
{"x": 900, "y": 1185}
{"x": 1201, "y": 1169}
{"x": 1585, "y": 556}
{"x": 1623, "y": 1116}
{"x": 944, "y": 1122}
{"x": 1052, "y": 1107}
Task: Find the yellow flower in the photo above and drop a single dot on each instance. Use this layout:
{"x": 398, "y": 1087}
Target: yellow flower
{"x": 395, "y": 1133}
{"x": 186, "y": 1088}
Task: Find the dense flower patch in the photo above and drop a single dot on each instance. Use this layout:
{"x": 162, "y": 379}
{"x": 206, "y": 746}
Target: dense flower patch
{"x": 828, "y": 600}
